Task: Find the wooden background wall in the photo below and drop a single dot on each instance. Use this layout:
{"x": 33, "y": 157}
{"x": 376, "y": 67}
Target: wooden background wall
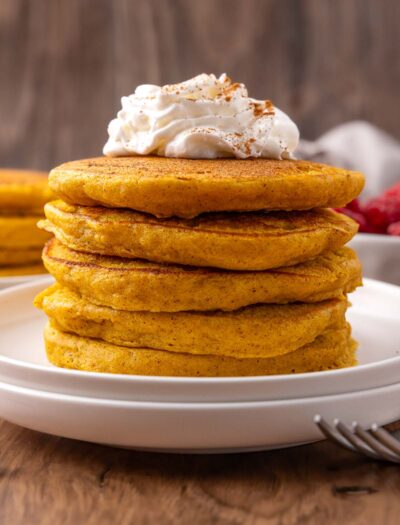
{"x": 64, "y": 64}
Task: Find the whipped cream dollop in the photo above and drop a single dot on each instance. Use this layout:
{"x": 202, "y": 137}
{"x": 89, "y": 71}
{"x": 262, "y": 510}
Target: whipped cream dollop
{"x": 205, "y": 117}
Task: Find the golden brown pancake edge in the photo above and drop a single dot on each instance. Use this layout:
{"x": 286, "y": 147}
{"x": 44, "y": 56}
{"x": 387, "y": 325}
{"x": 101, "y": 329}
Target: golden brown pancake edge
{"x": 236, "y": 241}
{"x": 167, "y": 187}
{"x": 334, "y": 349}
{"x": 129, "y": 284}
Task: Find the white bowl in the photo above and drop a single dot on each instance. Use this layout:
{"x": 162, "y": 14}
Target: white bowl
{"x": 380, "y": 256}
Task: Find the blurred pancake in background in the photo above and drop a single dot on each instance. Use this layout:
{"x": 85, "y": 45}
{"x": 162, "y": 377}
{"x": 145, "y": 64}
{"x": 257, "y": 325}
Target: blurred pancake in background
{"x": 19, "y": 256}
{"x": 21, "y": 232}
{"x": 24, "y": 191}
{"x": 22, "y": 197}
{"x": 27, "y": 269}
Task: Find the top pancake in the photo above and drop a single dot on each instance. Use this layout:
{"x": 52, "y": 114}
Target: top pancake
{"x": 167, "y": 187}
{"x": 23, "y": 191}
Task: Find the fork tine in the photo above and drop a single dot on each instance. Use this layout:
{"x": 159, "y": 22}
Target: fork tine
{"x": 387, "y": 439}
{"x": 358, "y": 444}
{"x": 330, "y": 433}
{"x": 374, "y": 444}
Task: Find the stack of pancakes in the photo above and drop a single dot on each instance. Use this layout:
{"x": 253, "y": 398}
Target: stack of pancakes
{"x": 178, "y": 267}
{"x": 22, "y": 197}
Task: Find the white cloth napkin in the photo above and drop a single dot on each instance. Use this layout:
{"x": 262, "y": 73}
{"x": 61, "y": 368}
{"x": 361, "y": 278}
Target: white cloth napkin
{"x": 361, "y": 146}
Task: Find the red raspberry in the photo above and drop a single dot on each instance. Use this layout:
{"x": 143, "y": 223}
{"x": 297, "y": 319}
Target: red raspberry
{"x": 364, "y": 227}
{"x": 361, "y": 219}
{"x": 394, "y": 228}
{"x": 393, "y": 191}
{"x": 385, "y": 209}
{"x": 354, "y": 205}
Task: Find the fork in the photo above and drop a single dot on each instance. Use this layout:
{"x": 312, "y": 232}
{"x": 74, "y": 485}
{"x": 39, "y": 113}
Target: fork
{"x": 376, "y": 443}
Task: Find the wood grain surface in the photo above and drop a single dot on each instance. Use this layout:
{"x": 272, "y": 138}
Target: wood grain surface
{"x": 46, "y": 480}
{"x": 65, "y": 63}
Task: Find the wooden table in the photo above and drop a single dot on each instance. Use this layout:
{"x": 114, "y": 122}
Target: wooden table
{"x": 49, "y": 480}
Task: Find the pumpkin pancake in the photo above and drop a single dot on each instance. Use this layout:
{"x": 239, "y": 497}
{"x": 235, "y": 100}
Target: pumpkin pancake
{"x": 253, "y": 331}
{"x": 29, "y": 269}
{"x": 22, "y": 190}
{"x": 131, "y": 284}
{"x": 237, "y": 241}
{"x": 333, "y": 349}
{"x": 19, "y": 256}
{"x": 18, "y": 231}
{"x": 185, "y": 188}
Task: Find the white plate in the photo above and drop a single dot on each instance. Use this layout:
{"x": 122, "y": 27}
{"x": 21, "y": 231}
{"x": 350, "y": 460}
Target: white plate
{"x": 375, "y": 317}
{"x": 6, "y": 282}
{"x": 193, "y": 427}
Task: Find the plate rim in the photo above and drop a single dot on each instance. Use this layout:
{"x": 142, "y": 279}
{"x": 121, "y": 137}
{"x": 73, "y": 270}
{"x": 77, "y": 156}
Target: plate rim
{"x": 16, "y": 280}
{"x": 191, "y": 406}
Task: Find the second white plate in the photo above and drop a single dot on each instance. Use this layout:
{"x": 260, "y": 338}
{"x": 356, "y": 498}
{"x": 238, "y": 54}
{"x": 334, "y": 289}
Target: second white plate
{"x": 193, "y": 427}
